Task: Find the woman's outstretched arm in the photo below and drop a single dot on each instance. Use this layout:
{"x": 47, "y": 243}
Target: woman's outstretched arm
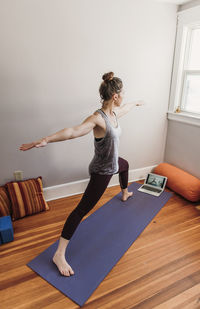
{"x": 67, "y": 133}
{"x": 125, "y": 108}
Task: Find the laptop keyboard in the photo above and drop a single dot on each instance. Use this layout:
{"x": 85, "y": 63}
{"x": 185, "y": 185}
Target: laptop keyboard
{"x": 151, "y": 189}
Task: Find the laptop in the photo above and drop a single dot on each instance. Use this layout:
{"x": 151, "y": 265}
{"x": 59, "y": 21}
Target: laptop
{"x": 154, "y": 184}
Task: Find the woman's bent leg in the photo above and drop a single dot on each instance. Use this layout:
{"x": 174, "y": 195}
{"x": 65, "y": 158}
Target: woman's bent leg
{"x": 95, "y": 189}
{"x": 123, "y": 178}
{"x": 123, "y": 173}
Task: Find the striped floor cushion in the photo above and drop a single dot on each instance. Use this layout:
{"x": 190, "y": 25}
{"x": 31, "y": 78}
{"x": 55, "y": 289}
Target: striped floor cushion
{"x": 5, "y": 203}
{"x": 26, "y": 197}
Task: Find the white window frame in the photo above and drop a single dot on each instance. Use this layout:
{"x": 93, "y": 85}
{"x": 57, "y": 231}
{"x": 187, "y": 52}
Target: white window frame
{"x": 186, "y": 21}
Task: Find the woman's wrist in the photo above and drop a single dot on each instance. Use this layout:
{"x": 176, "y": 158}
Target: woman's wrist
{"x": 40, "y": 141}
{"x": 47, "y": 139}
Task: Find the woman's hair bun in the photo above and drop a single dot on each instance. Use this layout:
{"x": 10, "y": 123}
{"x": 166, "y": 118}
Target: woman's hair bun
{"x": 109, "y": 86}
{"x": 108, "y": 76}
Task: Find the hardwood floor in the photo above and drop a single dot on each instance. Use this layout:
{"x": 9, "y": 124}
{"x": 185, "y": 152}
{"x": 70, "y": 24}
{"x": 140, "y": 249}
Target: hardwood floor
{"x": 160, "y": 270}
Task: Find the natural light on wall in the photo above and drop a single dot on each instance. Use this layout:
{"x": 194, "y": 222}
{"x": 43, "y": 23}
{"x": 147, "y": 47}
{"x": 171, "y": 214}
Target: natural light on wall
{"x": 184, "y": 103}
{"x": 191, "y": 88}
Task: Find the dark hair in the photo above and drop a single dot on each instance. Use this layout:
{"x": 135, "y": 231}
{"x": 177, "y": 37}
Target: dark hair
{"x": 110, "y": 86}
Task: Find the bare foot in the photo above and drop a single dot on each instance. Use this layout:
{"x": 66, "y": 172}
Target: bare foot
{"x": 126, "y": 196}
{"x": 64, "y": 268}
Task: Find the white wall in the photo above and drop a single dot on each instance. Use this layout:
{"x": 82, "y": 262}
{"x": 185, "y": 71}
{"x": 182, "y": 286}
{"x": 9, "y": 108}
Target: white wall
{"x": 53, "y": 54}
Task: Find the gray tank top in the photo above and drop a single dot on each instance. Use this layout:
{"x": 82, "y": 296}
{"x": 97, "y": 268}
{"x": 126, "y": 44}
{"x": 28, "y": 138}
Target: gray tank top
{"x": 105, "y": 160}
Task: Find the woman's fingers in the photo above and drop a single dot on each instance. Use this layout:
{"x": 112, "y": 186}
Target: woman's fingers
{"x": 25, "y": 147}
{"x": 140, "y": 103}
{"x": 40, "y": 143}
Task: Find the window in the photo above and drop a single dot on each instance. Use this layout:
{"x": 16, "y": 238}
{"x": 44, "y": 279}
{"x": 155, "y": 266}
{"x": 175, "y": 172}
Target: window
{"x": 184, "y": 102}
{"x": 190, "y": 96}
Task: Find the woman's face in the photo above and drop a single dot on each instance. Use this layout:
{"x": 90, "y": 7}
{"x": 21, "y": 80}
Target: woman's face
{"x": 119, "y": 98}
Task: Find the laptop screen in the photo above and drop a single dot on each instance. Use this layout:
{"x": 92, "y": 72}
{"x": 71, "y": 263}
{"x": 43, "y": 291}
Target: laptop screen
{"x": 155, "y": 180}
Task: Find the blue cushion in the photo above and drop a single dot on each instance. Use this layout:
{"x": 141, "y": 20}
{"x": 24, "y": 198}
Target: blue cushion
{"x": 6, "y": 229}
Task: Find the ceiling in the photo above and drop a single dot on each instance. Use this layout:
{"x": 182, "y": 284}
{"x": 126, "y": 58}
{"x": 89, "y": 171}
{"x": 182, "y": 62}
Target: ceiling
{"x": 179, "y": 2}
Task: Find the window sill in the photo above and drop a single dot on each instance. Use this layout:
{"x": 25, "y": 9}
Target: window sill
{"x": 184, "y": 118}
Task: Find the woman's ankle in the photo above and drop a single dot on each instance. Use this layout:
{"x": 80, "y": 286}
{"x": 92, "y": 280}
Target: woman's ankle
{"x": 62, "y": 246}
{"x": 59, "y": 253}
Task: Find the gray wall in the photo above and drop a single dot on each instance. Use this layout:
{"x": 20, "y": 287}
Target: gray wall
{"x": 182, "y": 144}
{"x": 183, "y": 147}
{"x": 53, "y": 54}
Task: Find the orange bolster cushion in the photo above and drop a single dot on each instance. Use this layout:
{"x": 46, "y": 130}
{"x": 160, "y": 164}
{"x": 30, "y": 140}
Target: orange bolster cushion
{"x": 180, "y": 181}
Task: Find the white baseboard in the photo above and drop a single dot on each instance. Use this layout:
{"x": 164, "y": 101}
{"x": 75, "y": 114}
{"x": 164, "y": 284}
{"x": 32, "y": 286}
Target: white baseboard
{"x": 78, "y": 187}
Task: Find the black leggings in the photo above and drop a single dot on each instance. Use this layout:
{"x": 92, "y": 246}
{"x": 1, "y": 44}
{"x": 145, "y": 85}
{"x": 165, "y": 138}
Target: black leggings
{"x": 95, "y": 188}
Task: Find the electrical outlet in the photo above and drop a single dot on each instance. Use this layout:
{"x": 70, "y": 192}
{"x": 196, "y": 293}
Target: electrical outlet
{"x": 18, "y": 175}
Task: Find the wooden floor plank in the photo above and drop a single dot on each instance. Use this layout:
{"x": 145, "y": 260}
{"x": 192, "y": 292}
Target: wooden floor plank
{"x": 189, "y": 297}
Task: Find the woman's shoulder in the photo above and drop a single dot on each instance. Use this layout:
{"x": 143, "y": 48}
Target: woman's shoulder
{"x": 98, "y": 117}
{"x": 97, "y": 113}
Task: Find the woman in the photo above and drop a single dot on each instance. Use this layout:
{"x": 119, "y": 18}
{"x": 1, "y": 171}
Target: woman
{"x": 105, "y": 163}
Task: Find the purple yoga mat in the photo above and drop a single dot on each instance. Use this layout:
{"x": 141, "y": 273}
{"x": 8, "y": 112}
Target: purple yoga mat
{"x": 99, "y": 242}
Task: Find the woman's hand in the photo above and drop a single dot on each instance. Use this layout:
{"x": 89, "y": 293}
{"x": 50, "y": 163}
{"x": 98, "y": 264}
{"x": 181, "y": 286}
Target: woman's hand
{"x": 140, "y": 103}
{"x": 41, "y": 143}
